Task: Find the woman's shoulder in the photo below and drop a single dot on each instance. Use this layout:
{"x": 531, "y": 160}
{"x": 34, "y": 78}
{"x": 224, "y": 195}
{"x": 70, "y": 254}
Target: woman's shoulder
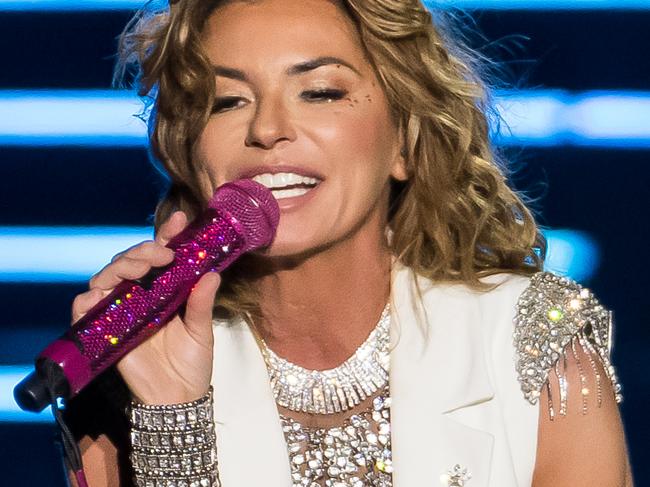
{"x": 555, "y": 320}
{"x": 530, "y": 323}
{"x": 554, "y": 316}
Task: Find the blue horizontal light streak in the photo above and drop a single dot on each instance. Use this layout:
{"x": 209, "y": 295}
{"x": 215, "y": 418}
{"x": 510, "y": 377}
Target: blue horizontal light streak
{"x": 558, "y": 118}
{"x": 540, "y": 4}
{"x": 532, "y": 118}
{"x": 68, "y": 5}
{"x": 60, "y": 254}
{"x": 89, "y": 5}
{"x": 70, "y": 117}
{"x": 10, "y": 375}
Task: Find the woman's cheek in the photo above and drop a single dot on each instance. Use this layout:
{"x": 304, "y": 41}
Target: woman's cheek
{"x": 217, "y": 151}
{"x": 348, "y": 127}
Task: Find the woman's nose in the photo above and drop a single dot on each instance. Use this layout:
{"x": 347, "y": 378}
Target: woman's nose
{"x": 269, "y": 126}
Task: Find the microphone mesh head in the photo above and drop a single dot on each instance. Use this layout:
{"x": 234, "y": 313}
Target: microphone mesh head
{"x": 253, "y": 206}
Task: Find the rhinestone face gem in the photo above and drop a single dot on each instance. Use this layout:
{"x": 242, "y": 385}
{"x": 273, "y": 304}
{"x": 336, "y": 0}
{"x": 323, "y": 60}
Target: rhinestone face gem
{"x": 334, "y": 390}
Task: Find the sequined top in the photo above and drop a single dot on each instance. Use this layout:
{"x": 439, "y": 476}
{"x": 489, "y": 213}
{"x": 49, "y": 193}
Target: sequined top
{"x": 356, "y": 454}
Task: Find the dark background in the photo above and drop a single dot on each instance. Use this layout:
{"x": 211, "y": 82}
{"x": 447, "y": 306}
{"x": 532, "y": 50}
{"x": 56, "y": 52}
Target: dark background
{"x": 600, "y": 191}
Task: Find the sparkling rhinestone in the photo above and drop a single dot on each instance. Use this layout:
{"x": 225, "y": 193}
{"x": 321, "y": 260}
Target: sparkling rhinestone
{"x": 299, "y": 459}
{"x": 333, "y": 471}
{"x": 169, "y": 418}
{"x": 202, "y": 413}
{"x": 378, "y": 403}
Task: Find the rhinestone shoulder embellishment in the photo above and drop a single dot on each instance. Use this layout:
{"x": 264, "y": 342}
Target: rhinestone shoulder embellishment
{"x": 338, "y": 389}
{"x": 553, "y": 313}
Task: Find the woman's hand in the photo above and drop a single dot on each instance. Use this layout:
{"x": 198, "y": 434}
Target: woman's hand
{"x": 175, "y": 364}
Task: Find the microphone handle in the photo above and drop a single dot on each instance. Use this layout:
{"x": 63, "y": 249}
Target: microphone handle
{"x": 132, "y": 312}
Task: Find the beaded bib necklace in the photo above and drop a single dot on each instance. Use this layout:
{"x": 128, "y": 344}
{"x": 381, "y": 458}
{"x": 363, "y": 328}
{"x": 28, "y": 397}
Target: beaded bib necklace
{"x": 338, "y": 389}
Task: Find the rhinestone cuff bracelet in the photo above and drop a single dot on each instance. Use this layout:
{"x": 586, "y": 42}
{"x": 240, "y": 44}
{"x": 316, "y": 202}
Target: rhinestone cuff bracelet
{"x": 174, "y": 445}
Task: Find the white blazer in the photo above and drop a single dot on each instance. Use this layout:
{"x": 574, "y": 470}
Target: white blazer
{"x": 455, "y": 394}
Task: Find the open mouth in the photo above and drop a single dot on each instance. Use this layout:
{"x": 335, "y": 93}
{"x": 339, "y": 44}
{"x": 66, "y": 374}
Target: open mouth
{"x": 287, "y": 184}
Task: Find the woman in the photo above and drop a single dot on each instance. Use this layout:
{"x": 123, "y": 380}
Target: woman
{"x": 372, "y": 342}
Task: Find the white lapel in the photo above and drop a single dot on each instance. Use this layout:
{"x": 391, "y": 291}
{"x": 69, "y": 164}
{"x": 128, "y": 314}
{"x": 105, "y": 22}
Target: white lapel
{"x": 251, "y": 449}
{"x": 437, "y": 369}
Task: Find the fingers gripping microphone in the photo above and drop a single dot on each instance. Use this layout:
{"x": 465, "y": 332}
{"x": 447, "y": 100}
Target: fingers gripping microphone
{"x": 242, "y": 216}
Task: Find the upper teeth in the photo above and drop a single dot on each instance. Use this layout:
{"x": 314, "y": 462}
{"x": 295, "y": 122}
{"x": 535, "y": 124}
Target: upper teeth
{"x": 283, "y": 179}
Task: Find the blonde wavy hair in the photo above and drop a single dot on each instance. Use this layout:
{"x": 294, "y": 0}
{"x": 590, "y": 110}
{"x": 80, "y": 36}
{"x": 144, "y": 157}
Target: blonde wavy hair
{"x": 454, "y": 219}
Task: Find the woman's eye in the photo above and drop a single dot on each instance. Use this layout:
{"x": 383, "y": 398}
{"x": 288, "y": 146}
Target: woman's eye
{"x": 226, "y": 103}
{"x": 323, "y": 95}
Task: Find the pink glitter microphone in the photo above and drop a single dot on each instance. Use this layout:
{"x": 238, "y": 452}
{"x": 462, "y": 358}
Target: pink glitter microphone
{"x": 242, "y": 216}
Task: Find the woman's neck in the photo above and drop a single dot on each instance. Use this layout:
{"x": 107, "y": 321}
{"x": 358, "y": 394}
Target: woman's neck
{"x": 317, "y": 312}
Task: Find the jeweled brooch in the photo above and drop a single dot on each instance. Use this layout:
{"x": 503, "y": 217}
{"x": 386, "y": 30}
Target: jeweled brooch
{"x": 455, "y": 477}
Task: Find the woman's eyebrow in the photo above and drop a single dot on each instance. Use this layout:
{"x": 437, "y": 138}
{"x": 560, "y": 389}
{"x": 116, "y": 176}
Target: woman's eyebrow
{"x": 294, "y": 70}
{"x": 317, "y": 63}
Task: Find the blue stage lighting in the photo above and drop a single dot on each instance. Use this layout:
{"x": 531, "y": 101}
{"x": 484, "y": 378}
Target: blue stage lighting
{"x": 556, "y": 118}
{"x": 62, "y": 254}
{"x": 70, "y": 117}
{"x": 69, "y": 5}
{"x": 531, "y": 118}
{"x": 540, "y": 4}
{"x": 10, "y": 375}
{"x": 86, "y": 5}
{"x": 571, "y": 253}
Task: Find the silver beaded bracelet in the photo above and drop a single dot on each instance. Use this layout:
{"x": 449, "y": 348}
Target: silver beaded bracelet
{"x": 174, "y": 445}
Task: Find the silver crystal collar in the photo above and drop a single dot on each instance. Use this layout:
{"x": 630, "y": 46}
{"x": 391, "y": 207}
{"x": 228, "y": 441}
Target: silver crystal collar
{"x": 338, "y": 389}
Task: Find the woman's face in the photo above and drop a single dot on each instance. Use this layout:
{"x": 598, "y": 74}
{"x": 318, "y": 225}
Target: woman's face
{"x": 299, "y": 109}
